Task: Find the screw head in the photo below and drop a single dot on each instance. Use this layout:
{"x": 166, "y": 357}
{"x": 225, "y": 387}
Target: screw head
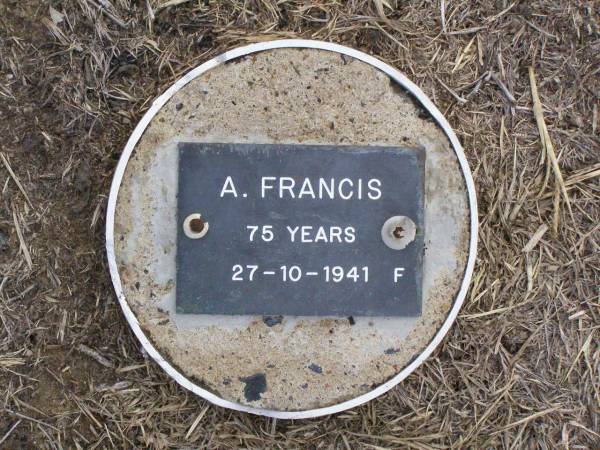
{"x": 398, "y": 231}
{"x": 194, "y": 226}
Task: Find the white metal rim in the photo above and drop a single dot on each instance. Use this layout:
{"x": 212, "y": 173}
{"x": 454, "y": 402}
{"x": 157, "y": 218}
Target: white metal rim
{"x": 137, "y": 134}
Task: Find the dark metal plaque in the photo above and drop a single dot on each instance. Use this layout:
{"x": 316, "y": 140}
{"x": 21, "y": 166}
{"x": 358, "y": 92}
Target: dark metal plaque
{"x": 297, "y": 230}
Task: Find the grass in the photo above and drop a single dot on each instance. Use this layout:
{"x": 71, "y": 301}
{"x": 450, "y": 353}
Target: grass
{"x": 519, "y": 82}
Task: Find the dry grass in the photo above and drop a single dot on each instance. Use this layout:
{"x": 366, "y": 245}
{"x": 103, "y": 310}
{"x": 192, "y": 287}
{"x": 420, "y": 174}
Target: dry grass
{"x": 519, "y": 369}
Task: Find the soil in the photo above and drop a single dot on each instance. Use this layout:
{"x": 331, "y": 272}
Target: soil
{"x": 519, "y": 369}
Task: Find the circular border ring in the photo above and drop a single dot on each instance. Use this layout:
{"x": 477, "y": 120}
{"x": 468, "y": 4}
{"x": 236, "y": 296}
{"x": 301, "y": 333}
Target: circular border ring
{"x": 137, "y": 134}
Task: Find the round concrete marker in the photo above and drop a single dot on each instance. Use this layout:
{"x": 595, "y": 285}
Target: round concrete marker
{"x": 291, "y": 229}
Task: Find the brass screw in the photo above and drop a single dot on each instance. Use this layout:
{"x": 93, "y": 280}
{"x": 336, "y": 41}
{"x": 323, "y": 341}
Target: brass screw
{"x": 398, "y": 231}
{"x": 194, "y": 226}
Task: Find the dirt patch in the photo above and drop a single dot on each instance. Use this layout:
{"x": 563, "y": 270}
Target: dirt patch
{"x": 519, "y": 367}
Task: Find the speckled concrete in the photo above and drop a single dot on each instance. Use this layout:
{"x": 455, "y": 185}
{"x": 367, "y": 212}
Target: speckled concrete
{"x": 285, "y": 96}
